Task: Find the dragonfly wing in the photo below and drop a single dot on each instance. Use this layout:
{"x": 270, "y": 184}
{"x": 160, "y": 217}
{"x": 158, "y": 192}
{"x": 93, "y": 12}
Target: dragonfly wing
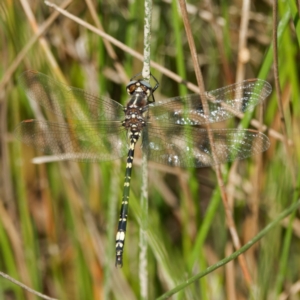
{"x": 222, "y": 104}
{"x": 67, "y": 101}
{"x": 242, "y": 96}
{"x": 94, "y": 141}
{"x": 186, "y": 146}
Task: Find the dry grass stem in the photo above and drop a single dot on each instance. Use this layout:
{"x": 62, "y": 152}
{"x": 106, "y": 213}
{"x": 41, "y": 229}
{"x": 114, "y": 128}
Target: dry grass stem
{"x": 243, "y": 51}
{"x": 228, "y": 212}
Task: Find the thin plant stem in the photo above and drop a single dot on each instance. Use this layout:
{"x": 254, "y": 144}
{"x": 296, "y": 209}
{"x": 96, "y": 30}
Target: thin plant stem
{"x": 230, "y": 275}
{"x": 243, "y": 58}
{"x": 228, "y": 212}
{"x": 25, "y": 287}
{"x": 143, "y": 244}
{"x": 147, "y": 39}
{"x": 243, "y": 52}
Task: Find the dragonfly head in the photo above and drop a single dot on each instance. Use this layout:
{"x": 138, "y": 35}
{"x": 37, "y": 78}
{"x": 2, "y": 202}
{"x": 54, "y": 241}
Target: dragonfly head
{"x": 142, "y": 87}
{"x": 139, "y": 87}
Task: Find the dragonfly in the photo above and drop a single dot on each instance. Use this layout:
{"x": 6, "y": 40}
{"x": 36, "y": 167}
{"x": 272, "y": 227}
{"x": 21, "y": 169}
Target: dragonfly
{"x": 93, "y": 129}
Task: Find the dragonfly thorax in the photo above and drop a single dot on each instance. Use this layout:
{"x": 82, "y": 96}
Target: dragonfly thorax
{"x": 134, "y": 120}
{"x": 140, "y": 91}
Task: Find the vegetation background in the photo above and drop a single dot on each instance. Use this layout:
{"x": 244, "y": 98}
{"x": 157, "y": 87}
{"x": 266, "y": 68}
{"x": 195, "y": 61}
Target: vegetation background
{"x": 58, "y": 220}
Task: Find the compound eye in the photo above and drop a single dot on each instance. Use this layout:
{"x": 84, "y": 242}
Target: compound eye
{"x": 131, "y": 88}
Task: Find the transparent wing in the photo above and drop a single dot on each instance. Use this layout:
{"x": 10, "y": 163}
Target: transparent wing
{"x": 222, "y": 104}
{"x": 186, "y": 146}
{"x": 67, "y": 101}
{"x": 94, "y": 141}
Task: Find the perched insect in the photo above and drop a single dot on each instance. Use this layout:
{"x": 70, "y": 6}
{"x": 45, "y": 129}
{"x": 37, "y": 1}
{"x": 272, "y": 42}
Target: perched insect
{"x": 101, "y": 129}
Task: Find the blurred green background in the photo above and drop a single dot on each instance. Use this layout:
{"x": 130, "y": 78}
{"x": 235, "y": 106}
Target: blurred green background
{"x": 58, "y": 220}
